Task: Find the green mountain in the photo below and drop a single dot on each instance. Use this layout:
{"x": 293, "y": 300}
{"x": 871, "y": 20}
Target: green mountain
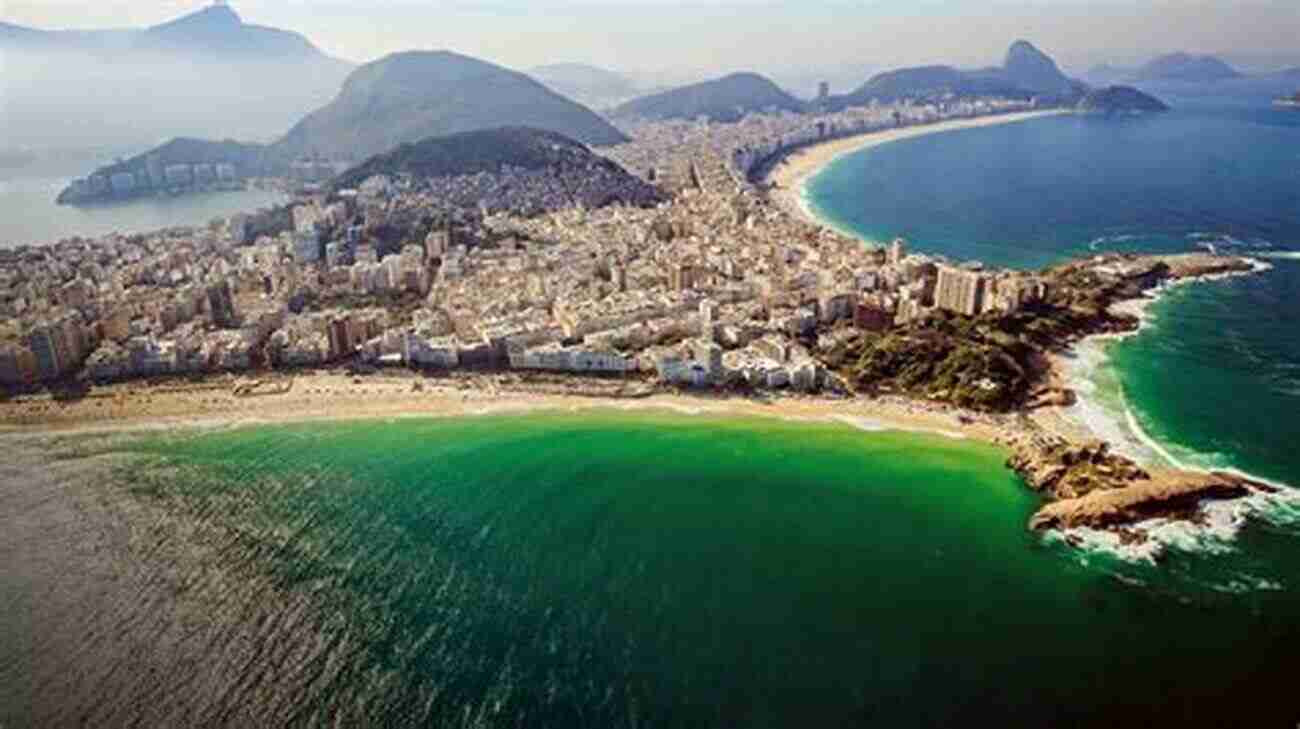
{"x": 1120, "y": 100}
{"x": 727, "y": 99}
{"x": 410, "y": 96}
{"x": 514, "y": 168}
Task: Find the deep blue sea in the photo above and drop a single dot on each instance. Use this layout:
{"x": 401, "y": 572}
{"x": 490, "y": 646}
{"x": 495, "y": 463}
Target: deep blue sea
{"x": 1213, "y": 379}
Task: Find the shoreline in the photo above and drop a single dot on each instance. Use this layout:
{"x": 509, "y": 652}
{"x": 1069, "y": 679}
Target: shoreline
{"x": 336, "y": 397}
{"x": 791, "y": 174}
{"x": 1075, "y": 377}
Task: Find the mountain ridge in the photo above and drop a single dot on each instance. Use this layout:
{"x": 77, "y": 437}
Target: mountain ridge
{"x": 1026, "y": 72}
{"x": 205, "y": 73}
{"x": 725, "y": 99}
{"x": 413, "y": 95}
{"x": 1186, "y": 67}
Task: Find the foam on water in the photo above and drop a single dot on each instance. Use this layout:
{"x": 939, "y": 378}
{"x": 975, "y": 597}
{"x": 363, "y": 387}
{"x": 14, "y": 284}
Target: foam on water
{"x": 1104, "y": 409}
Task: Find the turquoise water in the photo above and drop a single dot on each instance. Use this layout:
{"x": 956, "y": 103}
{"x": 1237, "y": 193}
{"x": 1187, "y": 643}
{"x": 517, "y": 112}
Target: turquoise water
{"x": 610, "y": 570}
{"x": 1215, "y": 379}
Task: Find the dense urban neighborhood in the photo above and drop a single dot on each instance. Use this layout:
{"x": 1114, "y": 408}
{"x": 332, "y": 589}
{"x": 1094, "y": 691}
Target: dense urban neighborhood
{"x": 518, "y": 268}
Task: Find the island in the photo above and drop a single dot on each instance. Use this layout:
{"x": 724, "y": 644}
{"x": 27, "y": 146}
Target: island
{"x": 1114, "y": 100}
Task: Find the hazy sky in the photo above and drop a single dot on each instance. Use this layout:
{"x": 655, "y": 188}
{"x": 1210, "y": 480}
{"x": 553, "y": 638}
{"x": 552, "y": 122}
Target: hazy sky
{"x": 651, "y": 35}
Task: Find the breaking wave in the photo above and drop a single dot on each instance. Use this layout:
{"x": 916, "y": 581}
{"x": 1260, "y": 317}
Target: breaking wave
{"x": 1104, "y": 410}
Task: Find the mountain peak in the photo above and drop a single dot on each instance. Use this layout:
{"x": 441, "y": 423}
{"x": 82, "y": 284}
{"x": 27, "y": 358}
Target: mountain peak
{"x": 1034, "y": 70}
{"x": 218, "y": 14}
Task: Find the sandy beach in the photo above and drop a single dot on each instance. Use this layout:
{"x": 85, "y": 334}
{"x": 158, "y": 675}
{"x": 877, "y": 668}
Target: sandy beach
{"x": 791, "y": 174}
{"x": 327, "y": 395}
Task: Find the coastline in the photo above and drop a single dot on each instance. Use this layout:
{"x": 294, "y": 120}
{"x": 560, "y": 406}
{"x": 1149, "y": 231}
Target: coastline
{"x": 323, "y": 396}
{"x": 790, "y": 175}
{"x": 1073, "y": 369}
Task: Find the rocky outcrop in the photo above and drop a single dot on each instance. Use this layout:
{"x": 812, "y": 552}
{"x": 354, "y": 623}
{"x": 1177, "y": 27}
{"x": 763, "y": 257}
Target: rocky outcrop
{"x": 1090, "y": 486}
{"x": 1176, "y": 495}
{"x": 1064, "y": 471}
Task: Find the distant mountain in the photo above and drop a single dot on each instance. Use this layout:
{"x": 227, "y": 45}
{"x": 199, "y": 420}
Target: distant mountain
{"x": 1120, "y": 100}
{"x": 411, "y": 96}
{"x": 561, "y": 171}
{"x": 927, "y": 82}
{"x": 1027, "y": 72}
{"x": 1107, "y": 75}
{"x": 584, "y": 83}
{"x": 205, "y": 74}
{"x": 1185, "y": 67}
{"x": 727, "y": 99}
{"x": 399, "y": 99}
{"x": 215, "y": 30}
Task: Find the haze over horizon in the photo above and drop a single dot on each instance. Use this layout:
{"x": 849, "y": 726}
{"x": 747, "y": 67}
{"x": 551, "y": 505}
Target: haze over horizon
{"x": 724, "y": 35}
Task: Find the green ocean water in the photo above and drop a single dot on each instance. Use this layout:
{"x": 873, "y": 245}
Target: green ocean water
{"x": 607, "y": 569}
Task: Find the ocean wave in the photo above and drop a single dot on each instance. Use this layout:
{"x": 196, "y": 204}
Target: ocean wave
{"x": 1107, "y": 240}
{"x": 1104, "y": 410}
{"x": 1246, "y": 584}
{"x": 1279, "y": 255}
{"x": 1215, "y": 535}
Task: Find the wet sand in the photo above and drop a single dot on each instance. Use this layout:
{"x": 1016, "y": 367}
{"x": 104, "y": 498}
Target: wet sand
{"x": 337, "y": 396}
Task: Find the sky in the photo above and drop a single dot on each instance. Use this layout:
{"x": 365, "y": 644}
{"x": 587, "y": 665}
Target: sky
{"x": 726, "y": 35}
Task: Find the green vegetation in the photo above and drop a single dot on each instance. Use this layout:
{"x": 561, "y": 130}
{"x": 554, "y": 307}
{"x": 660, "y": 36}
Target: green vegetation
{"x": 470, "y": 153}
{"x": 994, "y": 362}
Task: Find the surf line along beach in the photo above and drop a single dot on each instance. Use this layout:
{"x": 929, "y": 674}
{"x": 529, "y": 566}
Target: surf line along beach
{"x": 1056, "y": 448}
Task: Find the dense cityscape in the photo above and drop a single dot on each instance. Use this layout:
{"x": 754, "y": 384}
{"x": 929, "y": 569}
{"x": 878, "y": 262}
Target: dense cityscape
{"x": 716, "y": 286}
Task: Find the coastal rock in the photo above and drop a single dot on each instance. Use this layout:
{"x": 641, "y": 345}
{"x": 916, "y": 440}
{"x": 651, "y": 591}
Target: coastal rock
{"x": 1168, "y": 495}
{"x": 1063, "y": 470}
